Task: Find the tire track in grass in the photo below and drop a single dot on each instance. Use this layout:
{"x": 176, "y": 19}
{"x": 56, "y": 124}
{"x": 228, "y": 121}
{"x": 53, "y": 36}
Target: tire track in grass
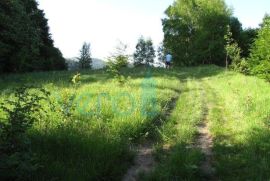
{"x": 144, "y": 161}
{"x": 178, "y": 157}
{"x": 205, "y": 141}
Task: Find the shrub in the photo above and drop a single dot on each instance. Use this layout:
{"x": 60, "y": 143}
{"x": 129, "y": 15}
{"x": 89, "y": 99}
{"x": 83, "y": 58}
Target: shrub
{"x": 259, "y": 61}
{"x": 234, "y": 53}
{"x": 115, "y": 64}
{"x": 243, "y": 67}
{"x": 17, "y": 161}
{"x": 262, "y": 70}
{"x": 117, "y": 61}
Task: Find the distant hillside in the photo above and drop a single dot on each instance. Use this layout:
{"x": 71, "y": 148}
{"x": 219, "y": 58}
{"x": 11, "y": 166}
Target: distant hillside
{"x": 73, "y": 64}
{"x": 98, "y": 63}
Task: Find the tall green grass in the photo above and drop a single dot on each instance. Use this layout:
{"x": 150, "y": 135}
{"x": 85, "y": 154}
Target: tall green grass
{"x": 93, "y": 142}
{"x": 240, "y": 119}
{"x": 177, "y": 157}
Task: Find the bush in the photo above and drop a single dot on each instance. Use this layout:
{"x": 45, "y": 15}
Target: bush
{"x": 243, "y": 67}
{"x": 118, "y": 61}
{"x": 233, "y": 51}
{"x": 259, "y": 61}
{"x": 115, "y": 64}
{"x": 262, "y": 70}
{"x": 17, "y": 162}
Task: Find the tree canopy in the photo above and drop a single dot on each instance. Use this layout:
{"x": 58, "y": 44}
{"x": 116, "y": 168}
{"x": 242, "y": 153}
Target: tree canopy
{"x": 85, "y": 59}
{"x": 145, "y": 52}
{"x": 194, "y": 31}
{"x": 25, "y": 41}
{"x": 259, "y": 60}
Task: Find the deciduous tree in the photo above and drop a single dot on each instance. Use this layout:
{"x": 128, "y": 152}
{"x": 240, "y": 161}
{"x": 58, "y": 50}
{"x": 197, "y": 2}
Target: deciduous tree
{"x": 25, "y": 41}
{"x": 145, "y": 52}
{"x": 259, "y": 60}
{"x": 194, "y": 31}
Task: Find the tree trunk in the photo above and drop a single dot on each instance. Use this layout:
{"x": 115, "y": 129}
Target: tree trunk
{"x": 227, "y": 61}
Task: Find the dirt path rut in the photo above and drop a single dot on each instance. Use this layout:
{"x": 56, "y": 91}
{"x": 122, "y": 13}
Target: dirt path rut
{"x": 144, "y": 161}
{"x": 205, "y": 143}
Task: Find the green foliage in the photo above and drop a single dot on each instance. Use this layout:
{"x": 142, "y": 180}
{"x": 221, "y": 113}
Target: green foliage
{"x": 85, "y": 59}
{"x": 67, "y": 106}
{"x": 25, "y": 41}
{"x": 194, "y": 31}
{"x": 115, "y": 63}
{"x": 238, "y": 122}
{"x": 145, "y": 52}
{"x": 97, "y": 136}
{"x": 259, "y": 60}
{"x": 118, "y": 61}
{"x": 177, "y": 159}
{"x": 234, "y": 53}
{"x": 114, "y": 66}
{"x": 161, "y": 53}
{"x": 17, "y": 162}
{"x": 238, "y": 44}
{"x": 66, "y": 100}
{"x": 76, "y": 79}
{"x": 140, "y": 54}
{"x": 52, "y": 59}
{"x": 247, "y": 38}
{"x": 238, "y": 119}
{"x": 243, "y": 67}
{"x": 19, "y": 40}
{"x": 93, "y": 141}
{"x": 236, "y": 29}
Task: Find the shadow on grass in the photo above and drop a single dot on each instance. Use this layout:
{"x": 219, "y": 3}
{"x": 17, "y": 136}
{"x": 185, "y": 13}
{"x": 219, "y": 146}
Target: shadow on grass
{"x": 246, "y": 161}
{"x": 62, "y": 79}
{"x": 59, "y": 79}
{"x": 70, "y": 154}
{"x": 73, "y": 154}
{"x": 179, "y": 162}
{"x": 182, "y": 73}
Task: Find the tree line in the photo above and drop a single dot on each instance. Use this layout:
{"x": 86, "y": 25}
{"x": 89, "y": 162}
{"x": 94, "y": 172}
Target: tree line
{"x": 200, "y": 32}
{"x": 145, "y": 54}
{"x": 25, "y": 42}
{"x": 196, "y": 32}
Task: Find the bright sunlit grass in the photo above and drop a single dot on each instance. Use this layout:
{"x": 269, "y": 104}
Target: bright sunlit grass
{"x": 93, "y": 142}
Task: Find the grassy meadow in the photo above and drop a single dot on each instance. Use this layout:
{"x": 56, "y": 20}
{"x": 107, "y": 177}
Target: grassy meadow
{"x": 91, "y": 139}
{"x": 238, "y": 112}
{"x": 93, "y": 142}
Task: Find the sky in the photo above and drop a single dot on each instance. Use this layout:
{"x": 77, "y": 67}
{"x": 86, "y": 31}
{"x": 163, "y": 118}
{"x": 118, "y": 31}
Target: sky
{"x": 103, "y": 23}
